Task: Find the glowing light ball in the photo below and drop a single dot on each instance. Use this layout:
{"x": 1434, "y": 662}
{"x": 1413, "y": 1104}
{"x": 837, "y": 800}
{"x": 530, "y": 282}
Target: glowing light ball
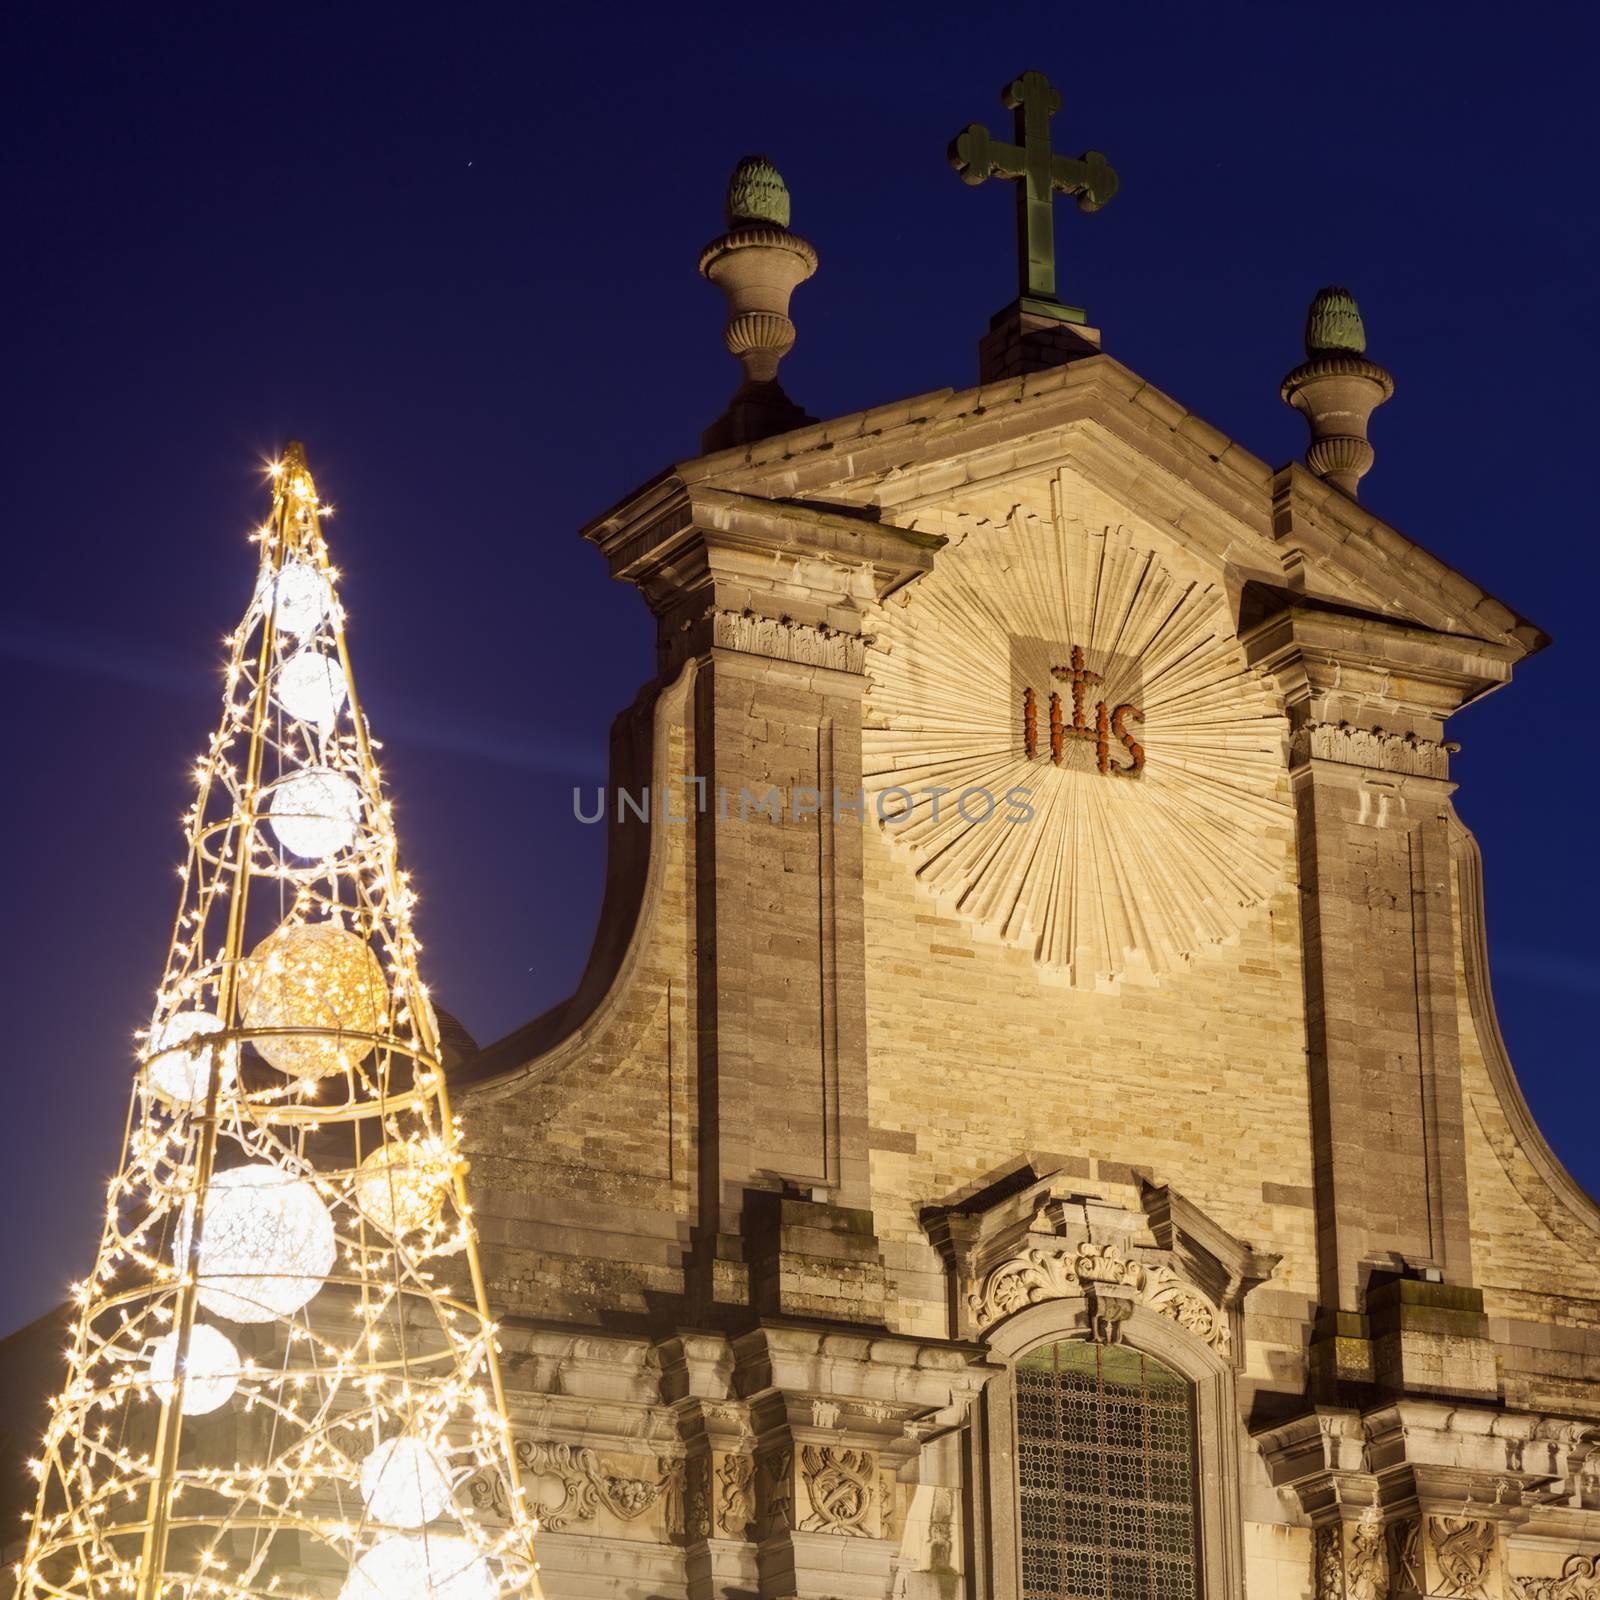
{"x": 180, "y": 1075}
{"x": 266, "y": 1244}
{"x": 311, "y": 688}
{"x": 298, "y": 599}
{"x": 313, "y": 975}
{"x": 316, "y": 813}
{"x": 404, "y": 1484}
{"x": 211, "y": 1373}
{"x": 417, "y": 1567}
{"x": 402, "y": 1188}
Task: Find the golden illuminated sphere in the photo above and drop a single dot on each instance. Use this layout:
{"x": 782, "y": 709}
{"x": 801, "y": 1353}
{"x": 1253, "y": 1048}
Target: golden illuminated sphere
{"x": 318, "y": 976}
{"x": 401, "y": 1188}
{"x": 211, "y": 1373}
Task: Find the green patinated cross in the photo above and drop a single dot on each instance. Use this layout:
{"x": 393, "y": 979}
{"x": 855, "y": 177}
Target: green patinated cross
{"x": 1040, "y": 176}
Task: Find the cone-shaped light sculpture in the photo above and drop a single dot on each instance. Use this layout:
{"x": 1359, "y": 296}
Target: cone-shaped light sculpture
{"x": 283, "y": 1371}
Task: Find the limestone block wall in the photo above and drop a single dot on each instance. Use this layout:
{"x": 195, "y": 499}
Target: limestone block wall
{"x": 582, "y": 1167}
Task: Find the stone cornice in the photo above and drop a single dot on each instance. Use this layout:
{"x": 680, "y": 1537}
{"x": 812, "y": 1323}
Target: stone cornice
{"x": 1374, "y": 674}
{"x": 927, "y": 448}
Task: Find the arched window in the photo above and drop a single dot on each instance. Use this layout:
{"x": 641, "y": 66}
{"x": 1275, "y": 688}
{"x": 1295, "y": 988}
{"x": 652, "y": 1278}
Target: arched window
{"x": 1105, "y": 1451}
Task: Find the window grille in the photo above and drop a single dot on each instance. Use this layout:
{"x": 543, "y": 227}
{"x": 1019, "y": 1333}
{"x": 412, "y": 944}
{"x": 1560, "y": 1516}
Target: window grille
{"x": 1105, "y": 1452}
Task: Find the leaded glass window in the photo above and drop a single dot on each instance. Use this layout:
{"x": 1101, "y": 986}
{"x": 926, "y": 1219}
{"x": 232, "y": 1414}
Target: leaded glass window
{"x": 1105, "y": 1450}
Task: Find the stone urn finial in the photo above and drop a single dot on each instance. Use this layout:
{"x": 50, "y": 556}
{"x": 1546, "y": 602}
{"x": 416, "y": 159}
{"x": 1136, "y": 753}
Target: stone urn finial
{"x": 757, "y": 264}
{"x": 1337, "y": 389}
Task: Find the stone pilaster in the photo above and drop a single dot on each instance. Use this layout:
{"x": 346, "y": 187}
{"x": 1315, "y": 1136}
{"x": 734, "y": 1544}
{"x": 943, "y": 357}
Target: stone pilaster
{"x": 771, "y": 600}
{"x": 1367, "y": 701}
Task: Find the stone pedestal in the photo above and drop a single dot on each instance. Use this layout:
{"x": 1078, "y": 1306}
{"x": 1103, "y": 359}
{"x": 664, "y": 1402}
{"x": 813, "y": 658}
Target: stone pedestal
{"x": 1031, "y": 335}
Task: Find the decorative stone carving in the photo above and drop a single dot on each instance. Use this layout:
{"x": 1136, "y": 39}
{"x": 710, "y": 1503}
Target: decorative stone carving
{"x": 672, "y": 1490}
{"x": 585, "y": 1483}
{"x": 1366, "y": 1572}
{"x": 1579, "y": 1580}
{"x": 1107, "y": 878}
{"x": 874, "y": 1410}
{"x": 697, "y": 1498}
{"x": 788, "y": 641}
{"x": 736, "y": 1494}
{"x": 841, "y": 1486}
{"x": 825, "y": 1413}
{"x": 777, "y": 1491}
{"x": 1372, "y": 747}
{"x": 1462, "y": 1547}
{"x": 1405, "y": 1557}
{"x": 1032, "y": 1276}
{"x": 570, "y": 1485}
{"x": 1327, "y": 1563}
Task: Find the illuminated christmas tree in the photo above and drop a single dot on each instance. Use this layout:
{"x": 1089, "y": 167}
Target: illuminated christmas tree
{"x": 283, "y": 1372}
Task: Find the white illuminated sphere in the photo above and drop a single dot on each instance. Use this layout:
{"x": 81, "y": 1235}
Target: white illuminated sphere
{"x": 298, "y": 599}
{"x": 312, "y": 689}
{"x": 316, "y": 813}
{"x": 319, "y": 976}
{"x": 266, "y": 1244}
{"x": 421, "y": 1567}
{"x": 182, "y": 1076}
{"x": 211, "y": 1373}
{"x": 404, "y": 1484}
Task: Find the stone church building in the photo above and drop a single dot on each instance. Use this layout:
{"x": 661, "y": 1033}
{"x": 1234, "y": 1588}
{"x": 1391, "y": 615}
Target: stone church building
{"x": 1033, "y": 1125}
{"x": 1034, "y": 1122}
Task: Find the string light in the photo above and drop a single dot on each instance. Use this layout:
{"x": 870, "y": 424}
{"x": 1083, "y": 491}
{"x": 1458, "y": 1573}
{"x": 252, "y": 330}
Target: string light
{"x": 292, "y": 1168}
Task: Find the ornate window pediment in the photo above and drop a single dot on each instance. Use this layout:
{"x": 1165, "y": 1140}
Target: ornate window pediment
{"x": 1101, "y": 1316}
{"x": 1031, "y": 1238}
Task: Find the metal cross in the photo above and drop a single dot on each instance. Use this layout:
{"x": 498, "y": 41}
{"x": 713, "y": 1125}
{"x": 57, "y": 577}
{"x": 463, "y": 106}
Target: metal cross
{"x": 1040, "y": 176}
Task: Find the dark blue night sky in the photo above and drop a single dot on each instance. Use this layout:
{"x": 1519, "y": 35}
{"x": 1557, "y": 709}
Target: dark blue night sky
{"x": 453, "y": 249}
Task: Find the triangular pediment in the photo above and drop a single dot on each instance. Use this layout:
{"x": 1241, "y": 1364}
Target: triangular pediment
{"x": 910, "y": 464}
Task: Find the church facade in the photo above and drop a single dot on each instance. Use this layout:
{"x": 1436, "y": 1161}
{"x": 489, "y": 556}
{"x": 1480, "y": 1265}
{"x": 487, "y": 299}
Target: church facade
{"x": 1034, "y": 1122}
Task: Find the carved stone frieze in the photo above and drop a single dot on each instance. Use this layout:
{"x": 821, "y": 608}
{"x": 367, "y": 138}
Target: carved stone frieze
{"x": 1462, "y": 1548}
{"x": 841, "y": 1487}
{"x": 1371, "y": 747}
{"x": 567, "y": 1484}
{"x": 784, "y": 640}
{"x": 1034, "y": 1275}
{"x": 1579, "y": 1579}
